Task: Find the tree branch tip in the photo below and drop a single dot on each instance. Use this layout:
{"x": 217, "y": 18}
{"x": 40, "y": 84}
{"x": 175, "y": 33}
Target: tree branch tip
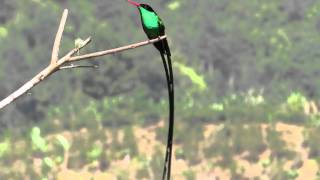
{"x": 57, "y": 40}
{"x": 65, "y": 13}
{"x": 85, "y": 42}
{"x": 88, "y": 39}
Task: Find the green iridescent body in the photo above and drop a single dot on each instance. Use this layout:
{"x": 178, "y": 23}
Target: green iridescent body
{"x": 150, "y": 22}
{"x": 153, "y": 27}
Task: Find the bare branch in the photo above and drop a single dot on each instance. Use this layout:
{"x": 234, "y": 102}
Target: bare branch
{"x": 51, "y": 68}
{"x": 57, "y": 64}
{"x": 54, "y": 67}
{"x": 116, "y": 50}
{"x": 57, "y": 41}
{"x": 72, "y": 66}
{"x": 23, "y": 89}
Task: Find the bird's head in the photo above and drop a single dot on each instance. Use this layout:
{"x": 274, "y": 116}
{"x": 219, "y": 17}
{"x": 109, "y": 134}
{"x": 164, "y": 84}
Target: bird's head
{"x": 139, "y": 6}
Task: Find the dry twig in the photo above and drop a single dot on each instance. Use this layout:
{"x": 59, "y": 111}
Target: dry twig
{"x": 57, "y": 41}
{"x": 57, "y": 64}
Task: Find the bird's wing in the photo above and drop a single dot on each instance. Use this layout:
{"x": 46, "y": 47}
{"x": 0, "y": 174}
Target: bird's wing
{"x": 161, "y": 26}
{"x": 164, "y": 42}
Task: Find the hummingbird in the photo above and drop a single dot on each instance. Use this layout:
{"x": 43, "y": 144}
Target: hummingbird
{"x": 154, "y": 28}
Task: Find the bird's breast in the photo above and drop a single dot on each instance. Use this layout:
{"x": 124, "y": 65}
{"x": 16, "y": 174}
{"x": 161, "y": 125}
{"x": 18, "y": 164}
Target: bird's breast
{"x": 152, "y": 32}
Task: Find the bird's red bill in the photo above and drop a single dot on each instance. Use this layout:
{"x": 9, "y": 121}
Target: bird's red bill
{"x": 133, "y": 3}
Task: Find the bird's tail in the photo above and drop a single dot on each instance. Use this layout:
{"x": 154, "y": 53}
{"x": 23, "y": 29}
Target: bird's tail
{"x": 169, "y": 75}
{"x": 167, "y": 49}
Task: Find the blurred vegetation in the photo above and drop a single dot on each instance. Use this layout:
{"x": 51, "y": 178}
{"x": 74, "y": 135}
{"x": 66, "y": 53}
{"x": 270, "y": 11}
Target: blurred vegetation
{"x": 238, "y": 65}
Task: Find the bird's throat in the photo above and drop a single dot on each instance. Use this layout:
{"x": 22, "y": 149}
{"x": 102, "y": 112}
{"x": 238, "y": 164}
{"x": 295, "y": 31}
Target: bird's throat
{"x": 149, "y": 19}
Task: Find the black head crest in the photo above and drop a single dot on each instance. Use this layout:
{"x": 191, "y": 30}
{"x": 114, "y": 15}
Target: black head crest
{"x": 147, "y": 7}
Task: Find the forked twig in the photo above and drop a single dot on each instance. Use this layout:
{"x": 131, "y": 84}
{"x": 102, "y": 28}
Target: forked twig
{"x": 57, "y": 41}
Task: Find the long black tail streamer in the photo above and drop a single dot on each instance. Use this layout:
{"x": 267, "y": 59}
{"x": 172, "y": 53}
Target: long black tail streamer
{"x": 170, "y": 83}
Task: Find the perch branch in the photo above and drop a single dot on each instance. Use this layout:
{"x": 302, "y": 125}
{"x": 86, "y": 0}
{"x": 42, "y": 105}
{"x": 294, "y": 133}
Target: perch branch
{"x": 115, "y": 50}
{"x": 57, "y": 64}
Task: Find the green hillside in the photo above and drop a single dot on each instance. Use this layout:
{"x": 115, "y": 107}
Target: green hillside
{"x": 246, "y": 82}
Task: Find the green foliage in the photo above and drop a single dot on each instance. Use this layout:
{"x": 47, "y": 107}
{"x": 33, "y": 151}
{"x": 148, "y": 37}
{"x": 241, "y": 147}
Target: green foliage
{"x": 191, "y": 73}
{"x": 296, "y": 101}
{"x": 130, "y": 141}
{"x": 3, "y": 32}
{"x": 189, "y": 175}
{"x": 313, "y": 11}
{"x": 217, "y": 107}
{"x": 4, "y": 147}
{"x": 48, "y": 162}
{"x": 122, "y": 175}
{"x": 235, "y": 139}
{"x": 63, "y": 142}
{"x": 189, "y": 141}
{"x": 179, "y": 153}
{"x": 38, "y": 141}
{"x": 277, "y": 145}
{"x": 311, "y": 138}
{"x": 265, "y": 51}
{"x": 248, "y": 63}
{"x": 174, "y": 5}
{"x": 95, "y": 152}
{"x": 143, "y": 164}
{"x": 292, "y": 174}
{"x": 157, "y": 162}
{"x": 265, "y": 163}
{"x": 314, "y": 120}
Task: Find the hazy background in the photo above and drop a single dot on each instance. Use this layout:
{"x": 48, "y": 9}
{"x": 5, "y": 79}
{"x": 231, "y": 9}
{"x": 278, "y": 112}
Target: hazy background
{"x": 247, "y": 91}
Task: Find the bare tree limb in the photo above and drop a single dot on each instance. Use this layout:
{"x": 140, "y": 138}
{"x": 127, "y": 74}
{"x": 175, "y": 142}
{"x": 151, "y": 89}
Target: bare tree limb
{"x": 57, "y": 41}
{"x": 72, "y": 66}
{"x": 57, "y": 64}
{"x": 51, "y": 68}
